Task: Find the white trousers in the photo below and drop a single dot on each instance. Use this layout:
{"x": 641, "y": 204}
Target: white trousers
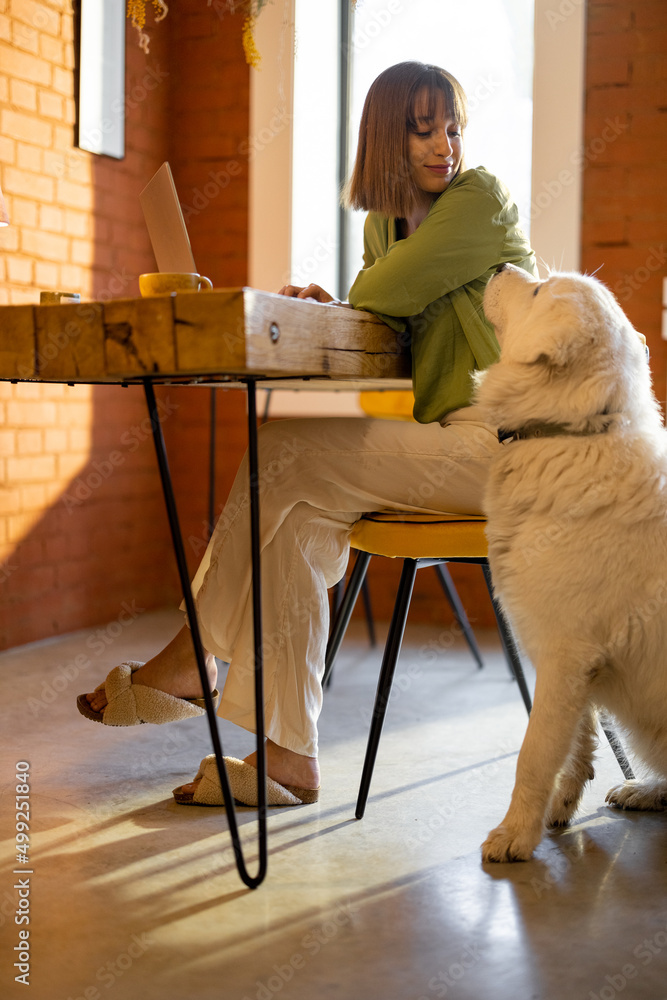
{"x": 317, "y": 476}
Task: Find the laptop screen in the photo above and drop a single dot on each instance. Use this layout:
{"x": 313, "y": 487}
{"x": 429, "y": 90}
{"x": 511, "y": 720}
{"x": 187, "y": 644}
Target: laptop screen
{"x": 165, "y": 223}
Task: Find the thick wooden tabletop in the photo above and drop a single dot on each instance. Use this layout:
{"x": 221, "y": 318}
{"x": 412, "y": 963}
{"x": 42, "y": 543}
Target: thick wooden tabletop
{"x": 228, "y": 333}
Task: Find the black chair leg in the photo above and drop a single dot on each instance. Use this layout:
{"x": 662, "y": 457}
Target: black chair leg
{"x": 508, "y": 643}
{"x": 617, "y": 747}
{"x": 338, "y": 592}
{"x": 391, "y": 651}
{"x": 344, "y": 612}
{"x": 370, "y": 623}
{"x": 452, "y": 596}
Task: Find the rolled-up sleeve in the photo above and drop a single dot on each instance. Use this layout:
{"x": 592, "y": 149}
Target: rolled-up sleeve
{"x": 462, "y": 236}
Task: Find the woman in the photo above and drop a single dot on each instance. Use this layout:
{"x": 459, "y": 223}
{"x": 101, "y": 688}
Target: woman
{"x": 434, "y": 235}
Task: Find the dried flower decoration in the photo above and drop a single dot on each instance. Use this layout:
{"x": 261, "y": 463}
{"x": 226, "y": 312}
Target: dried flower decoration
{"x": 252, "y": 10}
{"x": 136, "y": 11}
{"x": 252, "y": 56}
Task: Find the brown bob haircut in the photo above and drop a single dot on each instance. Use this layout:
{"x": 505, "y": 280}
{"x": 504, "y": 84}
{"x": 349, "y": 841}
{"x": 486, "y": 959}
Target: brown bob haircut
{"x": 381, "y": 180}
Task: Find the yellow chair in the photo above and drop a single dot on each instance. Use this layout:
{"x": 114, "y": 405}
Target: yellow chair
{"x": 398, "y": 404}
{"x": 391, "y": 404}
{"x": 420, "y": 540}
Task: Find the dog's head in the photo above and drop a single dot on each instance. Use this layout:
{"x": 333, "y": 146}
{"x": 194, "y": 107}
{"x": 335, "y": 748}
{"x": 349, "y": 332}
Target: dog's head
{"x": 569, "y": 354}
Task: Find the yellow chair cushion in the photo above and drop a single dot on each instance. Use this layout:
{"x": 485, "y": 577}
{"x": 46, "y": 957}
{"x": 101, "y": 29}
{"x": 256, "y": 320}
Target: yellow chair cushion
{"x": 406, "y": 535}
{"x": 394, "y": 404}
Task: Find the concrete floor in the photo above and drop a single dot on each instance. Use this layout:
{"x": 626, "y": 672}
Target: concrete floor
{"x": 133, "y": 896}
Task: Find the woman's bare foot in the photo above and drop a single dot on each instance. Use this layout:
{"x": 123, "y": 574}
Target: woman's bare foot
{"x": 173, "y": 670}
{"x": 284, "y": 766}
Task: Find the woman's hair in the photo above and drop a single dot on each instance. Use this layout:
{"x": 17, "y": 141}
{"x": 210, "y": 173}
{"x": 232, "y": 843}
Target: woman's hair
{"x": 381, "y": 179}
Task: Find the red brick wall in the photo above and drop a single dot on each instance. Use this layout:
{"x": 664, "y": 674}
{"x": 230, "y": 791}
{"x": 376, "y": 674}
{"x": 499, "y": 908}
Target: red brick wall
{"x": 624, "y": 225}
{"x": 208, "y": 123}
{"x": 82, "y": 524}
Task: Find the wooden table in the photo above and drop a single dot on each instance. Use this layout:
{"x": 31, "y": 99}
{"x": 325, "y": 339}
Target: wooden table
{"x": 237, "y": 336}
{"x": 227, "y": 335}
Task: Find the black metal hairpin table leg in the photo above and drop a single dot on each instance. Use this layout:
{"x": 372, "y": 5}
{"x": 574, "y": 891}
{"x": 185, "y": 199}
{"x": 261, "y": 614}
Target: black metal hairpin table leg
{"x": 167, "y": 489}
{"x": 211, "y": 459}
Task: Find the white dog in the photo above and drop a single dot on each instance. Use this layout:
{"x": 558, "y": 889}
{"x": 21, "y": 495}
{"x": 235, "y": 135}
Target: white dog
{"x": 577, "y": 528}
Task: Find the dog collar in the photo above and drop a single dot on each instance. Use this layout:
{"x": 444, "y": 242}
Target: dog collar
{"x": 539, "y": 430}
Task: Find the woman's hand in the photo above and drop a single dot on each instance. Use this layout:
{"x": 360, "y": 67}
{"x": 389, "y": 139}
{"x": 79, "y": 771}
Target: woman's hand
{"x": 309, "y": 292}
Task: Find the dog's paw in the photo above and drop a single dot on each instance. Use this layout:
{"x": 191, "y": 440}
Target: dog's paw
{"x": 646, "y": 795}
{"x": 561, "y": 812}
{"x": 564, "y": 804}
{"x": 569, "y": 789}
{"x": 505, "y": 844}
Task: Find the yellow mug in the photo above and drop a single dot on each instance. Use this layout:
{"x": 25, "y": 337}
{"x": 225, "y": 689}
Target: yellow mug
{"x": 164, "y": 283}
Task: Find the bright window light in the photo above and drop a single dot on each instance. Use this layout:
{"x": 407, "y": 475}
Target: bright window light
{"x": 486, "y": 44}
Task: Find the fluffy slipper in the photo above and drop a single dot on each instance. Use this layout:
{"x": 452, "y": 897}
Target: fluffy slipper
{"x": 131, "y": 704}
{"x": 243, "y": 783}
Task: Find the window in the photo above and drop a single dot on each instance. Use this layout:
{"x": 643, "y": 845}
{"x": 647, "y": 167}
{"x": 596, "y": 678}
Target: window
{"x": 487, "y": 45}
{"x": 521, "y": 63}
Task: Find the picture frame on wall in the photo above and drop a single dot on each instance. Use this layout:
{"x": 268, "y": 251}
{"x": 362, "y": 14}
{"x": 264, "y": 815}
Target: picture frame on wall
{"x": 101, "y": 94}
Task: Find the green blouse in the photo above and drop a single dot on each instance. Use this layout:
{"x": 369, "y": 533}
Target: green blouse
{"x": 431, "y": 285}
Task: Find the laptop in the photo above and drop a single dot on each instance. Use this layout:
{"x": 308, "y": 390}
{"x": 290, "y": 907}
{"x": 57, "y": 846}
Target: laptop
{"x": 165, "y": 223}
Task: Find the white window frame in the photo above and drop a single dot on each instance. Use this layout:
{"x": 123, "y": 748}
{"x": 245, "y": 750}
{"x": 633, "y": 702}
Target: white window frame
{"x": 558, "y": 132}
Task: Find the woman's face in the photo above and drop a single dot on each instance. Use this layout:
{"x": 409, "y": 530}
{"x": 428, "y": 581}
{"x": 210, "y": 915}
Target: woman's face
{"x": 435, "y": 147}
